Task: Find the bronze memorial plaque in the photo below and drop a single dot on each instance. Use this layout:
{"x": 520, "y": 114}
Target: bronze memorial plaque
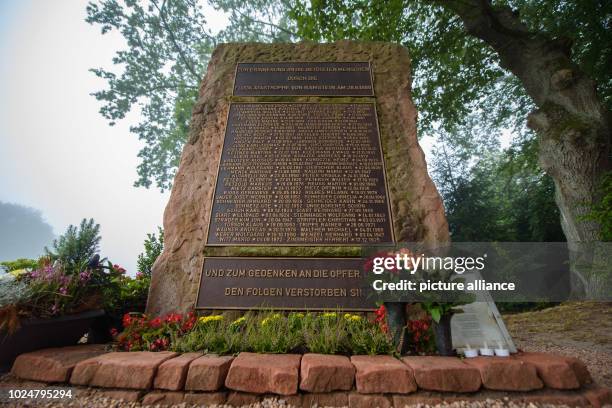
{"x": 303, "y": 78}
{"x": 284, "y": 283}
{"x": 301, "y": 174}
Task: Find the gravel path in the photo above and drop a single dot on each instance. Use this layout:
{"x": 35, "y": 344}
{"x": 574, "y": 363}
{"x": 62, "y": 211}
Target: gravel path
{"x": 101, "y": 402}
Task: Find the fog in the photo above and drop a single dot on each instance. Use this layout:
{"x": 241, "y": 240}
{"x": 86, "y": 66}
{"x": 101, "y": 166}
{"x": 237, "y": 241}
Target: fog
{"x": 57, "y": 154}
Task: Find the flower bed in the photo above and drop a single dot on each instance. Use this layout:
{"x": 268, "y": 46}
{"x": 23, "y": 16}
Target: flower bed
{"x": 264, "y": 332}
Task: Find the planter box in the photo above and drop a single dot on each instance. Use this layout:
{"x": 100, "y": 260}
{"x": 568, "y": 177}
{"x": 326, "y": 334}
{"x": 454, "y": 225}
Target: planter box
{"x": 35, "y": 334}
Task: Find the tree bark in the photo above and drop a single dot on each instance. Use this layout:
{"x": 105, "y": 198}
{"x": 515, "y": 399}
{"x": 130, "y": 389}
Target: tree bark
{"x": 572, "y": 124}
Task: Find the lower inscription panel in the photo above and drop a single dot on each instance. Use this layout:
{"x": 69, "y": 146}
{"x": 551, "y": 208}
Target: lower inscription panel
{"x": 284, "y": 283}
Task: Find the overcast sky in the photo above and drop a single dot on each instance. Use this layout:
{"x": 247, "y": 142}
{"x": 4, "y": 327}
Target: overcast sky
{"x": 57, "y": 154}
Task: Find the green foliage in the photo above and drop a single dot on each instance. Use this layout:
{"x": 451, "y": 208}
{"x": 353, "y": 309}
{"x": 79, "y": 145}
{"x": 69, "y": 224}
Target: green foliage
{"x": 513, "y": 198}
{"x": 77, "y": 245}
{"x": 125, "y": 294}
{"x": 213, "y": 336}
{"x": 153, "y": 246}
{"x": 21, "y": 263}
{"x": 454, "y": 73}
{"x": 326, "y": 334}
{"x": 168, "y": 45}
{"x": 601, "y": 211}
{"x": 365, "y": 338}
{"x": 272, "y": 332}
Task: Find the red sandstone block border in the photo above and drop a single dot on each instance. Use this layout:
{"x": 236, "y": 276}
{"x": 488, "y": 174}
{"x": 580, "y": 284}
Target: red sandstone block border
{"x": 169, "y": 378}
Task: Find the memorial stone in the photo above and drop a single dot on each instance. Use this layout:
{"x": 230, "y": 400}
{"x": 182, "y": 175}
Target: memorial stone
{"x": 298, "y": 155}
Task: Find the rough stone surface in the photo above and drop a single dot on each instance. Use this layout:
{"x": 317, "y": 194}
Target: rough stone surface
{"x": 598, "y": 396}
{"x": 580, "y": 370}
{"x": 555, "y": 371}
{"x": 418, "y": 212}
{"x": 208, "y": 373}
{"x": 382, "y": 374}
{"x": 239, "y": 399}
{"x": 53, "y": 364}
{"x": 444, "y": 374}
{"x": 324, "y": 373}
{"x": 504, "y": 374}
{"x": 327, "y": 399}
{"x": 400, "y": 401}
{"x": 205, "y": 398}
{"x": 163, "y": 398}
{"x": 121, "y": 395}
{"x": 264, "y": 373}
{"x": 368, "y": 401}
{"x": 120, "y": 370}
{"x": 172, "y": 373}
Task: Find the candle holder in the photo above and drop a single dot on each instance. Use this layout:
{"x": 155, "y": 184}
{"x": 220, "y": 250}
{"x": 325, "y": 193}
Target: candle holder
{"x": 469, "y": 352}
{"x": 486, "y": 351}
{"x": 502, "y": 352}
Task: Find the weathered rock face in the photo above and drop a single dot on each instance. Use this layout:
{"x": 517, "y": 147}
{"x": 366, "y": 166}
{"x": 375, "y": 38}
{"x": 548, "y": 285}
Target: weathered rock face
{"x": 417, "y": 210}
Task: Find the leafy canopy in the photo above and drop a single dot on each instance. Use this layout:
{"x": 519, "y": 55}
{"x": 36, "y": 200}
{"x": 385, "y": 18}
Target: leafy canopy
{"x": 168, "y": 44}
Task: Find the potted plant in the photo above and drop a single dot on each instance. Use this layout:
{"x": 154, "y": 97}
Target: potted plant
{"x": 55, "y": 302}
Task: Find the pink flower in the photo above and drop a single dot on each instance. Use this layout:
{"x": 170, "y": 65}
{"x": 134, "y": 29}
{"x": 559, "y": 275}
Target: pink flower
{"x": 119, "y": 269}
{"x": 85, "y": 275}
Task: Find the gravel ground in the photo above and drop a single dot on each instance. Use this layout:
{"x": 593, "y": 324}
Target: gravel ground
{"x": 101, "y": 402}
{"x": 582, "y": 330}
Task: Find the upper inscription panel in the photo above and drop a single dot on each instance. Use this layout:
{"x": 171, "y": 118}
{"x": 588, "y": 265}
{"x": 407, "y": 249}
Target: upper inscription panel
{"x": 303, "y": 78}
{"x": 301, "y": 174}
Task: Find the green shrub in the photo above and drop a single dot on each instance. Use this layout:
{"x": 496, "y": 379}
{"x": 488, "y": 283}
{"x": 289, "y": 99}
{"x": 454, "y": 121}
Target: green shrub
{"x": 126, "y": 294}
{"x": 325, "y": 333}
{"x": 273, "y": 332}
{"x": 212, "y": 334}
{"x": 19, "y": 264}
{"x": 601, "y": 210}
{"x": 153, "y": 246}
{"x": 366, "y": 338}
{"x": 77, "y": 245}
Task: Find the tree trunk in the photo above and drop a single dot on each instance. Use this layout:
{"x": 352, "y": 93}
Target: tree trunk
{"x": 572, "y": 124}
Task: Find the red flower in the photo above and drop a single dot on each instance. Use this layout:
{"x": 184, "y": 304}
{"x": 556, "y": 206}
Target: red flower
{"x": 173, "y": 318}
{"x": 155, "y": 323}
{"x": 127, "y": 320}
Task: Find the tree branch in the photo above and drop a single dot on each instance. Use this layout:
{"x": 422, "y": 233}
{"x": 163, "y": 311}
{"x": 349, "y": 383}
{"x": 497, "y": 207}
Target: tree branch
{"x": 188, "y": 65}
{"x": 265, "y": 23}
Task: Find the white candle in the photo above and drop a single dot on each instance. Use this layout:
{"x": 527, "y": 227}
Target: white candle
{"x": 500, "y": 351}
{"x": 470, "y": 352}
{"x": 486, "y": 350}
